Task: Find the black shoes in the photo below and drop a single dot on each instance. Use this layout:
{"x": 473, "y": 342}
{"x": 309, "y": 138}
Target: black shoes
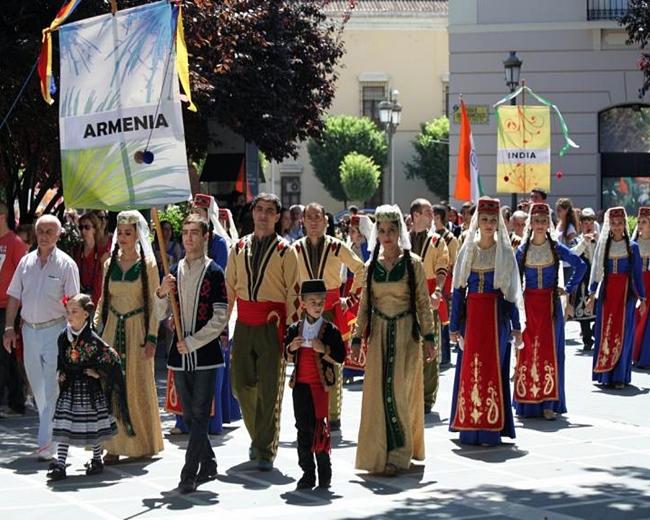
{"x": 207, "y": 472}
{"x": 335, "y": 426}
{"x": 308, "y": 481}
{"x": 94, "y": 467}
{"x": 56, "y": 471}
{"x": 187, "y": 485}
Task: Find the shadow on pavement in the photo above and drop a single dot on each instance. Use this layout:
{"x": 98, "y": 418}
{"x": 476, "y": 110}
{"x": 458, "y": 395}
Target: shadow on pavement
{"x": 310, "y": 497}
{"x": 248, "y": 476}
{"x": 174, "y": 501}
{"x": 433, "y": 419}
{"x": 539, "y": 424}
{"x": 380, "y": 485}
{"x": 490, "y": 454}
{"x": 614, "y": 501}
{"x": 628, "y": 391}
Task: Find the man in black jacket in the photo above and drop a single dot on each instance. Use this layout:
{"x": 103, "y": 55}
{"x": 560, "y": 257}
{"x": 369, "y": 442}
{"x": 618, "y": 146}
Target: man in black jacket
{"x": 199, "y": 285}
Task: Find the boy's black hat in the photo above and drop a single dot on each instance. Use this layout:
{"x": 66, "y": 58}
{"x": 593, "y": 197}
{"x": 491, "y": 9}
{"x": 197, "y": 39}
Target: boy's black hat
{"x": 312, "y": 287}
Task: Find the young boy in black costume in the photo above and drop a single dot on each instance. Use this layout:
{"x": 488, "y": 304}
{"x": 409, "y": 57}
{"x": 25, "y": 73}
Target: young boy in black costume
{"x": 315, "y": 346}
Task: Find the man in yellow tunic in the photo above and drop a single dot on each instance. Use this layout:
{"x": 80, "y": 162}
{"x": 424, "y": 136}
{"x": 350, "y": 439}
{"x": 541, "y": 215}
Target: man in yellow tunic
{"x": 432, "y": 249}
{"x": 440, "y": 225}
{"x": 321, "y": 257}
{"x": 262, "y": 277}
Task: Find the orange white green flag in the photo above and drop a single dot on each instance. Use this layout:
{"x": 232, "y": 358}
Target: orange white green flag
{"x": 468, "y": 184}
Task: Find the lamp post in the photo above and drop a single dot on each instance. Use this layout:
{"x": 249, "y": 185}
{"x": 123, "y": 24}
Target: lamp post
{"x": 512, "y": 66}
{"x": 390, "y": 115}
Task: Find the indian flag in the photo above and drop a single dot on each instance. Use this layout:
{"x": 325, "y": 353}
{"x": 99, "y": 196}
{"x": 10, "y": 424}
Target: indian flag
{"x": 468, "y": 185}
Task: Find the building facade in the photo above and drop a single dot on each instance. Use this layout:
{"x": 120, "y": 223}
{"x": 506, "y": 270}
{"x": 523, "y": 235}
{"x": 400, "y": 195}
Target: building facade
{"x": 390, "y": 45}
{"x": 574, "y": 54}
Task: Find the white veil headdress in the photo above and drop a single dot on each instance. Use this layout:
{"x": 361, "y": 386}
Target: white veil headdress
{"x": 135, "y": 217}
{"x": 506, "y": 270}
{"x": 598, "y": 263}
{"x": 213, "y": 215}
{"x": 226, "y": 215}
{"x": 389, "y": 213}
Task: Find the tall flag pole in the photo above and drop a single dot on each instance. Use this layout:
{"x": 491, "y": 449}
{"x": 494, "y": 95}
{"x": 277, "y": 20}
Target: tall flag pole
{"x": 468, "y": 184}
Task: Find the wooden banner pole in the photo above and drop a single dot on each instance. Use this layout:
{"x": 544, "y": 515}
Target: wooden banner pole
{"x": 165, "y": 261}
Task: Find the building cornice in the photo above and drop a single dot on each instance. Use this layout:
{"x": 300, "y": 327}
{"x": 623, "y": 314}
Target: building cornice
{"x": 533, "y": 26}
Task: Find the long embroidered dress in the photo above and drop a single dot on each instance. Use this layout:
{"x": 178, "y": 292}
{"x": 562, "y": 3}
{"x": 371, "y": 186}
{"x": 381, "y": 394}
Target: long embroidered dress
{"x": 539, "y": 376}
{"x": 614, "y": 329}
{"x": 392, "y": 409}
{"x": 480, "y": 405}
{"x": 641, "y": 350}
{"x": 125, "y": 331}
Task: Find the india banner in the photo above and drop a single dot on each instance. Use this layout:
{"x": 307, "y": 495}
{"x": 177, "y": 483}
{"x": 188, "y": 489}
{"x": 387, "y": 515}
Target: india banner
{"x": 523, "y": 148}
{"x": 121, "y": 129}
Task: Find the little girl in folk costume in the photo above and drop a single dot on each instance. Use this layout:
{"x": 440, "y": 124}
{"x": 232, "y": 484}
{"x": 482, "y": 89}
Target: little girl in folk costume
{"x": 641, "y": 350}
{"x": 616, "y": 281}
{"x": 539, "y": 376}
{"x": 92, "y": 390}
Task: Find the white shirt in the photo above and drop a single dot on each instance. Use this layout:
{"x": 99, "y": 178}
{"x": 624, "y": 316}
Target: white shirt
{"x": 310, "y": 330}
{"x": 41, "y": 289}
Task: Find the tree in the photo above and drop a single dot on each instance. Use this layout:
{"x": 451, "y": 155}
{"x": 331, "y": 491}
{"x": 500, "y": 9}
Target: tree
{"x": 342, "y": 135}
{"x": 359, "y": 176}
{"x": 431, "y": 161}
{"x": 637, "y": 26}
{"x": 265, "y": 69}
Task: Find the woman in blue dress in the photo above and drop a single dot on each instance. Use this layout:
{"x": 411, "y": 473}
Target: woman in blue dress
{"x": 615, "y": 285}
{"x": 484, "y": 316}
{"x": 641, "y": 351}
{"x": 539, "y": 375}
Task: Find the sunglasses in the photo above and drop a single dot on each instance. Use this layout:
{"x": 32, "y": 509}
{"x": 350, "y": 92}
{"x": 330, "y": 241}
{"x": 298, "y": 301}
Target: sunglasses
{"x": 86, "y": 226}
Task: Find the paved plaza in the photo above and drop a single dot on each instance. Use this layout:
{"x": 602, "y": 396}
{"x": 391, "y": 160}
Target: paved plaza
{"x": 592, "y": 464}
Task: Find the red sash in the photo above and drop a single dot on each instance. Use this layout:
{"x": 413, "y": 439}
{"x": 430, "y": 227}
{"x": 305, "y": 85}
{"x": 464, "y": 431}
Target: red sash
{"x": 480, "y": 404}
{"x": 641, "y": 322}
{"x": 612, "y": 325}
{"x": 443, "y": 313}
{"x": 173, "y": 402}
{"x": 254, "y": 314}
{"x": 536, "y": 375}
{"x": 344, "y": 321}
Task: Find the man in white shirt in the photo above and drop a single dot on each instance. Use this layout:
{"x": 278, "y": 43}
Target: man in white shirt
{"x": 42, "y": 278}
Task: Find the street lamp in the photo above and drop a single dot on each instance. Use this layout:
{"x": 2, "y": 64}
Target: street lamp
{"x": 512, "y": 66}
{"x": 390, "y": 116}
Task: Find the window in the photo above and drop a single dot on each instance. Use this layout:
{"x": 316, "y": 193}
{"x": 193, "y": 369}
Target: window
{"x": 290, "y": 193}
{"x": 371, "y": 96}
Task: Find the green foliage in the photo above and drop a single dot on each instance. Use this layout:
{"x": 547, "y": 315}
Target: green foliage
{"x": 431, "y": 161}
{"x": 631, "y": 223}
{"x": 341, "y": 136}
{"x": 359, "y": 176}
{"x": 175, "y": 214}
{"x": 637, "y": 26}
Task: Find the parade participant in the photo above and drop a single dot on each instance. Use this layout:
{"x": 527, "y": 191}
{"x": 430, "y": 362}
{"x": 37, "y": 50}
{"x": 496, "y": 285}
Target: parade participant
{"x": 358, "y": 234}
{"x": 174, "y": 251}
{"x": 616, "y": 282}
{"x": 641, "y": 349}
{"x": 93, "y": 391}
{"x": 518, "y": 221}
{"x": 217, "y": 247}
{"x": 37, "y": 287}
{"x": 566, "y": 228}
{"x": 103, "y": 237}
{"x": 296, "y": 230}
{"x": 484, "y": 315}
{"x": 228, "y": 224}
{"x": 538, "y": 195}
{"x": 440, "y": 227}
{"x": 89, "y": 258}
{"x": 396, "y": 320}
{"x": 539, "y": 374}
{"x": 128, "y": 323}
{"x": 262, "y": 277}
{"x": 315, "y": 346}
{"x": 12, "y": 249}
{"x": 585, "y": 249}
{"x": 194, "y": 357}
{"x": 432, "y": 249}
{"x": 322, "y": 257}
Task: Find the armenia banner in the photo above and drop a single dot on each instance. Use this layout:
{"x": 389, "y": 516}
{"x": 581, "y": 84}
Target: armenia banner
{"x": 523, "y": 148}
{"x": 119, "y": 97}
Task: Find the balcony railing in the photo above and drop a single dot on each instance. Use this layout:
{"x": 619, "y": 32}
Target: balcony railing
{"x": 606, "y": 9}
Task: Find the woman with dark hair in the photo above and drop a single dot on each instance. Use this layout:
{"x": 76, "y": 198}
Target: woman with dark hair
{"x": 484, "y": 316}
{"x": 641, "y": 351}
{"x": 615, "y": 284}
{"x": 89, "y": 257}
{"x": 539, "y": 375}
{"x": 395, "y": 319}
{"x": 128, "y": 323}
{"x": 567, "y": 228}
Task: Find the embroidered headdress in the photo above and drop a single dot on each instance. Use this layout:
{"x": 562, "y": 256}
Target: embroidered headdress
{"x": 598, "y": 265}
{"x": 390, "y": 213}
{"x": 135, "y": 217}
